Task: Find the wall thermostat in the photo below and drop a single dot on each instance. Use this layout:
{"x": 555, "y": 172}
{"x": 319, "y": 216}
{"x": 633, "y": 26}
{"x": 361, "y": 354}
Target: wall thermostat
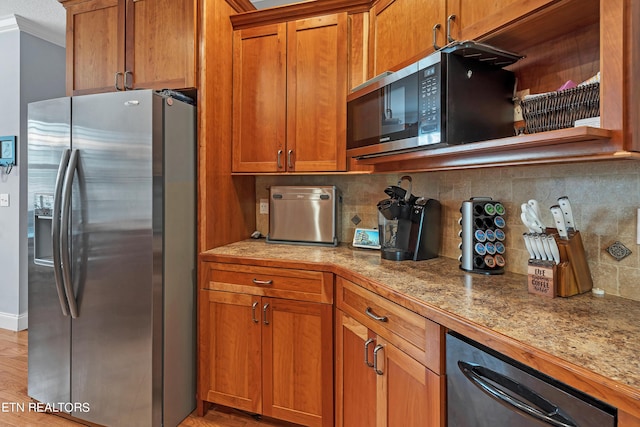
{"x": 7, "y": 150}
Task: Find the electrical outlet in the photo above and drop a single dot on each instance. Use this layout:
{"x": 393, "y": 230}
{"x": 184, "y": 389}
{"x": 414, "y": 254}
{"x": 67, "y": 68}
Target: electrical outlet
{"x": 264, "y": 206}
{"x": 4, "y": 200}
{"x": 517, "y": 108}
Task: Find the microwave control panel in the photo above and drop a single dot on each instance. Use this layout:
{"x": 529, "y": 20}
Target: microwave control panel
{"x": 430, "y": 109}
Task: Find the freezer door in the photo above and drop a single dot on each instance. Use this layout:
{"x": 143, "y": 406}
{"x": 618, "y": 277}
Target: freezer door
{"x": 48, "y": 136}
{"x": 113, "y": 361}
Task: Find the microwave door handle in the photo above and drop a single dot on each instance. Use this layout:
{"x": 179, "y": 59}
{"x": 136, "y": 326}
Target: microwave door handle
{"x": 55, "y": 230}
{"x": 479, "y": 374}
{"x": 64, "y": 233}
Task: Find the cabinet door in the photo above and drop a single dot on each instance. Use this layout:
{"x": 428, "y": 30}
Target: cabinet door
{"x": 401, "y": 29}
{"x": 160, "y": 44}
{"x": 355, "y": 380}
{"x": 229, "y": 349}
{"x": 475, "y": 18}
{"x": 297, "y": 348}
{"x": 409, "y": 394}
{"x": 95, "y": 46}
{"x": 259, "y": 99}
{"x": 317, "y": 93}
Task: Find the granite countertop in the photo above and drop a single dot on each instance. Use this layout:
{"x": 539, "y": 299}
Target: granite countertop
{"x": 598, "y": 333}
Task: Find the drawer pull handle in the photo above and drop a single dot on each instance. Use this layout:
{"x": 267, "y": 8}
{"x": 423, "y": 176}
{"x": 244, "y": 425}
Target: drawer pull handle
{"x": 262, "y": 282}
{"x": 253, "y": 312}
{"x": 375, "y": 317}
{"x": 264, "y": 314}
{"x": 376, "y": 349}
{"x": 366, "y": 352}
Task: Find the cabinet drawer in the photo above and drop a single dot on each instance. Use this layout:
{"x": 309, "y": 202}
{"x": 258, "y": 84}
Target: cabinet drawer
{"x": 315, "y": 286}
{"x": 414, "y": 334}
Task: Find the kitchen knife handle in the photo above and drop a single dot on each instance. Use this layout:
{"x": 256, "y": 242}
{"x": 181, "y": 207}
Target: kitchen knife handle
{"x": 558, "y": 218}
{"x": 376, "y": 349}
{"x": 55, "y": 230}
{"x": 565, "y": 206}
{"x": 553, "y": 245}
{"x": 366, "y": 352}
{"x": 369, "y": 313}
{"x": 262, "y": 282}
{"x": 65, "y": 214}
{"x": 540, "y": 247}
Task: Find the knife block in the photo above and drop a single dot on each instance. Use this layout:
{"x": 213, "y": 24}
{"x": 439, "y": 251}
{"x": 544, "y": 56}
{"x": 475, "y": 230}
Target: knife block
{"x": 573, "y": 274}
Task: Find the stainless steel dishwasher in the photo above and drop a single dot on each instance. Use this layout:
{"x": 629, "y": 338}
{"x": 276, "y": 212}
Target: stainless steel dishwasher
{"x": 488, "y": 389}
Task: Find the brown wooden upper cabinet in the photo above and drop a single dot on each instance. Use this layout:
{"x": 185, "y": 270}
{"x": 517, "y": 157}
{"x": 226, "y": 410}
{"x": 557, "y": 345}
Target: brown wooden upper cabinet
{"x": 130, "y": 44}
{"x": 289, "y": 96}
{"x": 402, "y": 29}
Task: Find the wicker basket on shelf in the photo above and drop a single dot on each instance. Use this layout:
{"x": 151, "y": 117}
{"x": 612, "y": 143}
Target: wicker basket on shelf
{"x": 560, "y": 109}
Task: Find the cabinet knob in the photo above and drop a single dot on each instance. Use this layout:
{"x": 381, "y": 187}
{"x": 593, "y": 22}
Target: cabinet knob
{"x": 279, "y": 158}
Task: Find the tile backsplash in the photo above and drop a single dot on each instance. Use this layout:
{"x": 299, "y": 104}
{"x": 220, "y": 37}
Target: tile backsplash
{"x": 605, "y": 197}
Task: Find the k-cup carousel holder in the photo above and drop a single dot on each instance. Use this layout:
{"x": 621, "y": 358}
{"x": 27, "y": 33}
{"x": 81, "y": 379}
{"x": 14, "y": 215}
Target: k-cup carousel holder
{"x": 482, "y": 235}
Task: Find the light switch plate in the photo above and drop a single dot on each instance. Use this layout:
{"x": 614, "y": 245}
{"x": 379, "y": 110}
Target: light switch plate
{"x": 4, "y": 200}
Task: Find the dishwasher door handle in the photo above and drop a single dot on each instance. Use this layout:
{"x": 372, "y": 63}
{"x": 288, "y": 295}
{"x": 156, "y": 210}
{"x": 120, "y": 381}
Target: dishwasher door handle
{"x": 479, "y": 375}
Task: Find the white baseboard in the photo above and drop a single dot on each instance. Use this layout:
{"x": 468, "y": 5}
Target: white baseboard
{"x": 14, "y": 322}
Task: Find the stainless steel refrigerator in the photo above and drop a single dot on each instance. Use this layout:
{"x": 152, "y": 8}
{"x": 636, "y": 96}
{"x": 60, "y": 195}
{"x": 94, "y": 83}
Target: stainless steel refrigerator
{"x": 112, "y": 199}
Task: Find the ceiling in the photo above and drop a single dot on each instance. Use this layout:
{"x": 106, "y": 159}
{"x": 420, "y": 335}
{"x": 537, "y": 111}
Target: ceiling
{"x": 47, "y": 15}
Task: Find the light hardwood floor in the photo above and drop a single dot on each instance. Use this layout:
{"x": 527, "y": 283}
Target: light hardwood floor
{"x": 13, "y": 395}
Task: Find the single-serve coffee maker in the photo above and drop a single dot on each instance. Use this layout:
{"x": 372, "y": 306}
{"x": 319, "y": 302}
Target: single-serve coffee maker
{"x": 409, "y": 226}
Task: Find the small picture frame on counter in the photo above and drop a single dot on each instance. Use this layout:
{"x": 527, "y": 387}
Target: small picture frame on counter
{"x": 367, "y": 238}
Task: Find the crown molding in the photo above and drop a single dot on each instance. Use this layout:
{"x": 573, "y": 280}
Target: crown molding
{"x": 17, "y": 22}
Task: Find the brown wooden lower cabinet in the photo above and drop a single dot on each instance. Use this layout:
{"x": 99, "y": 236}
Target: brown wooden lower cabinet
{"x": 269, "y": 356}
{"x": 379, "y": 385}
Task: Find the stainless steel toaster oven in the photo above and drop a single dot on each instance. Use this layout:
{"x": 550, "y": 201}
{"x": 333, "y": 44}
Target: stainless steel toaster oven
{"x": 304, "y": 215}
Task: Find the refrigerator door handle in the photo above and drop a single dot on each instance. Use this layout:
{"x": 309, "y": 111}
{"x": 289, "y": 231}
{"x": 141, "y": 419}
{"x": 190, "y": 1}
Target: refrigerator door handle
{"x": 64, "y": 232}
{"x": 55, "y": 230}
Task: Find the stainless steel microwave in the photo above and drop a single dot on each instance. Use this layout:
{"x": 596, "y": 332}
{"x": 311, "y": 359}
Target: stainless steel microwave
{"x": 443, "y": 99}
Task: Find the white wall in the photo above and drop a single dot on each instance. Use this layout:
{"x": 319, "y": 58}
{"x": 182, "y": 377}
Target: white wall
{"x": 31, "y": 69}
